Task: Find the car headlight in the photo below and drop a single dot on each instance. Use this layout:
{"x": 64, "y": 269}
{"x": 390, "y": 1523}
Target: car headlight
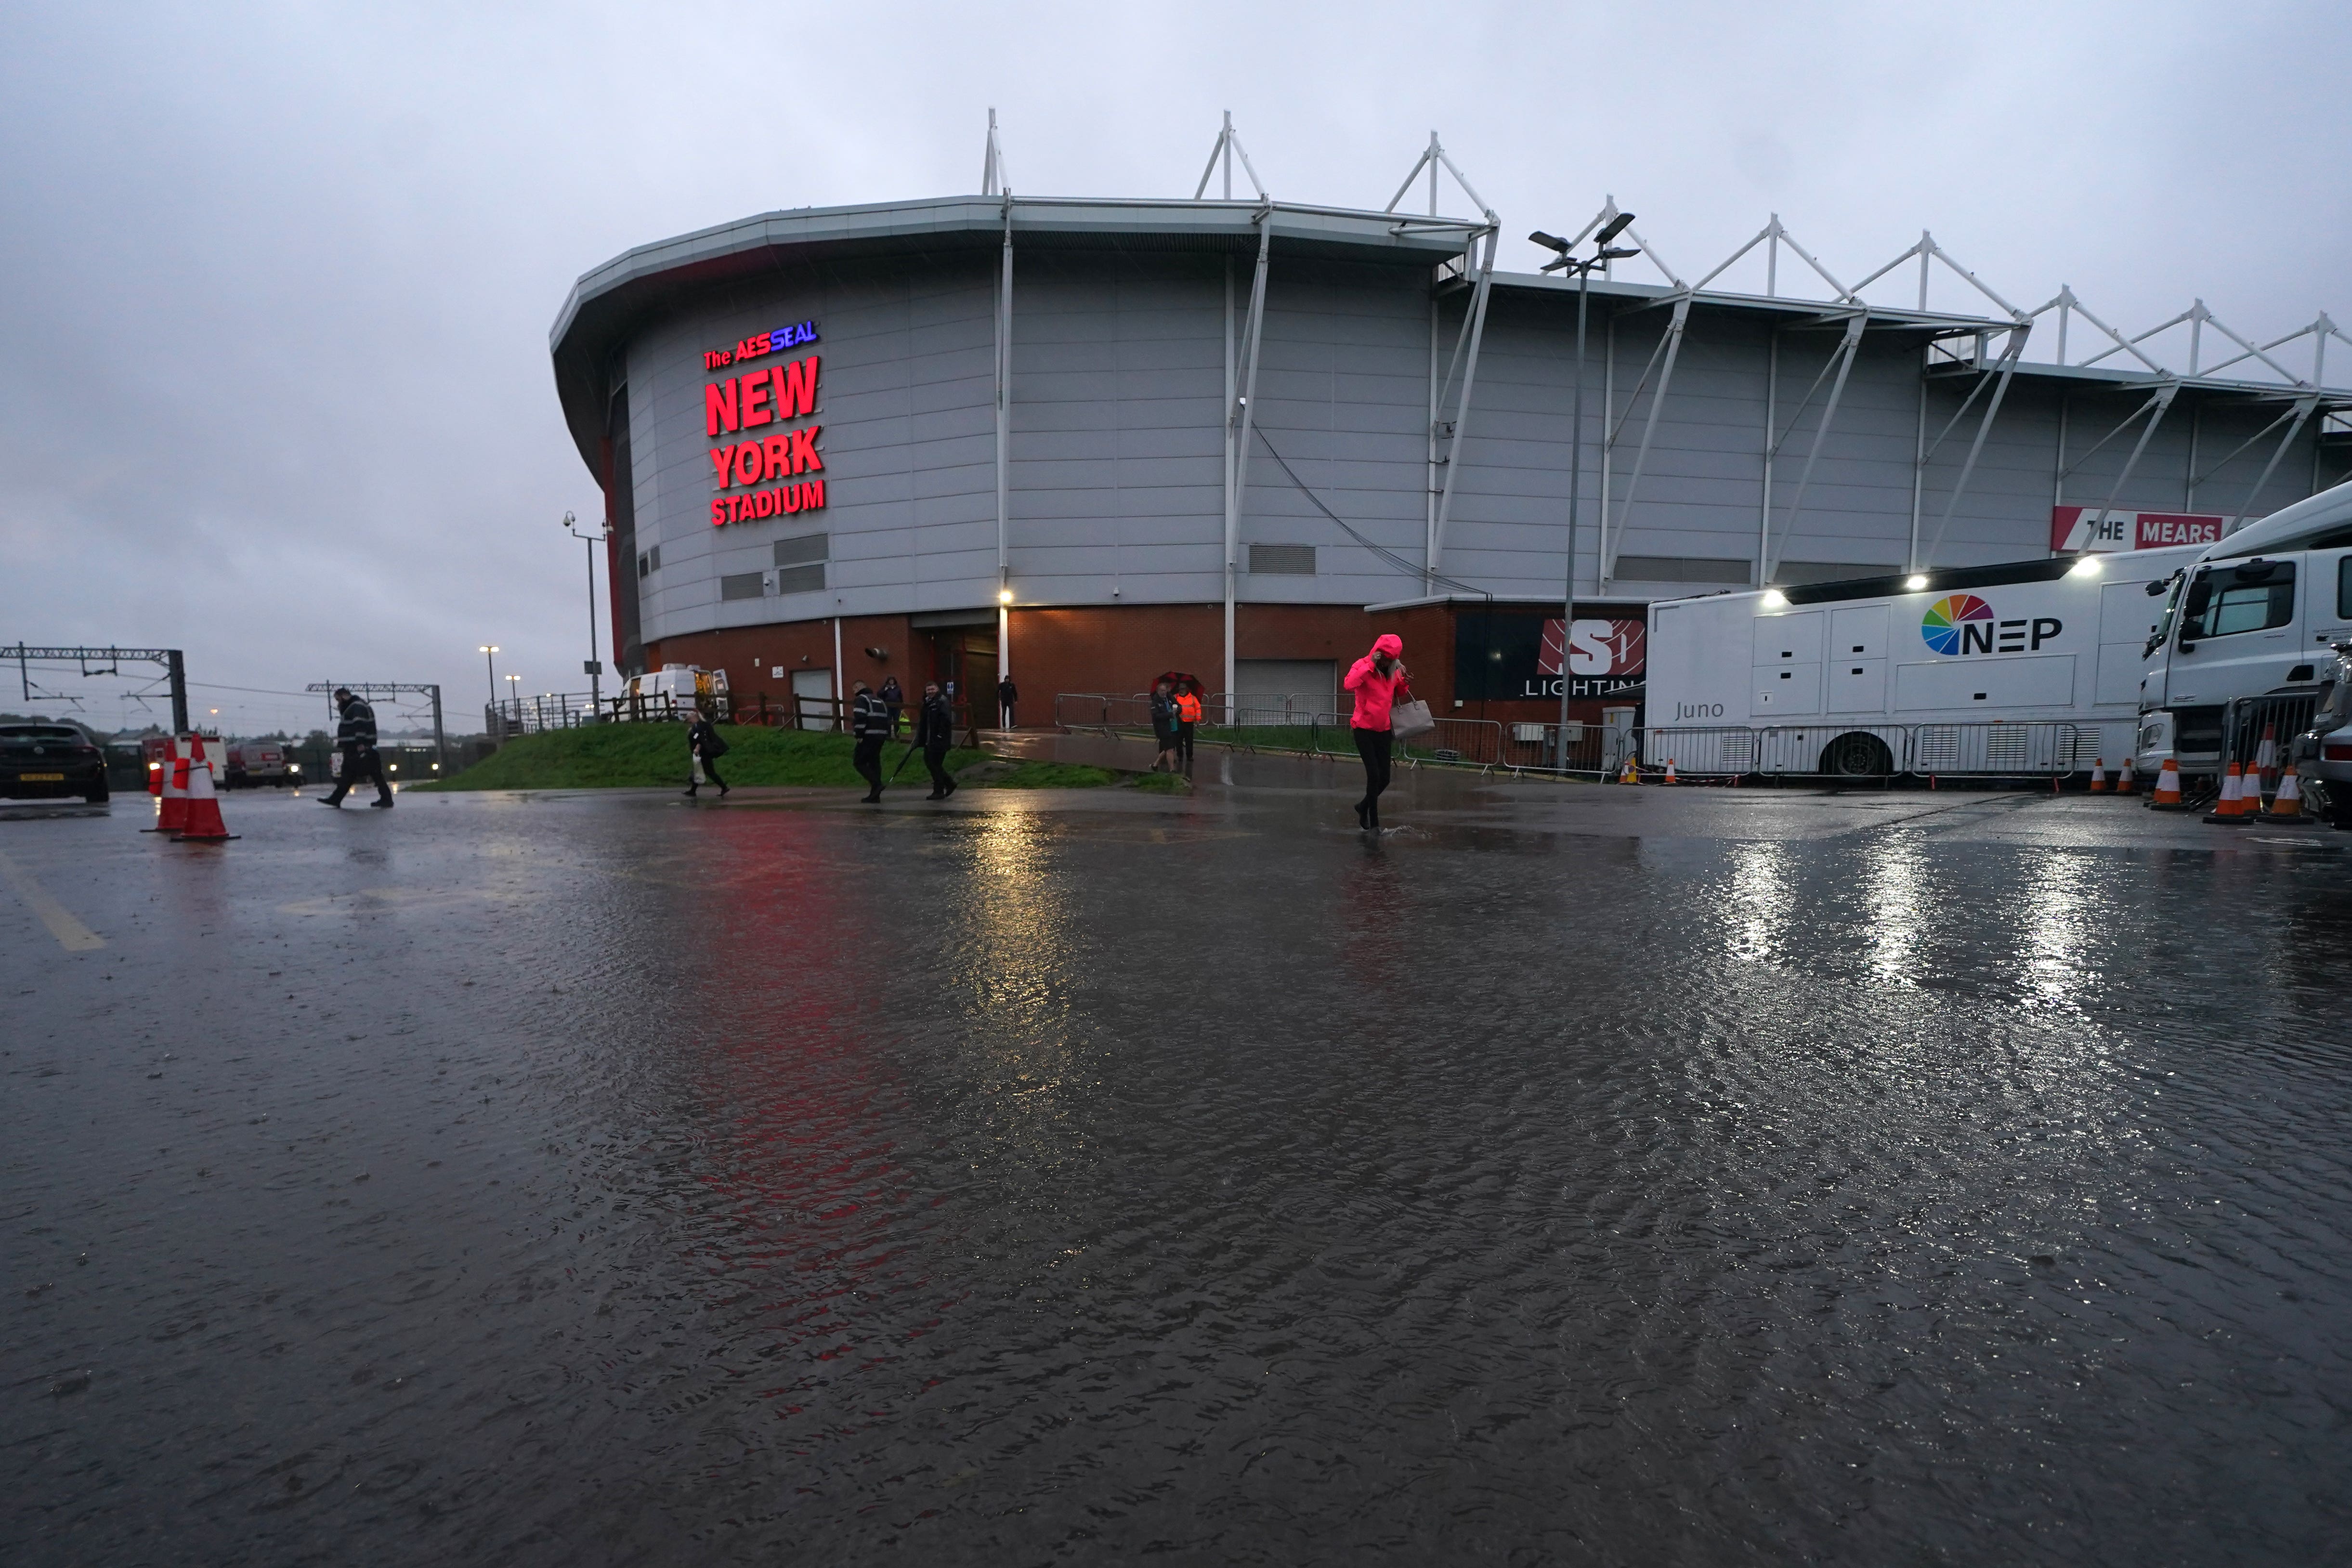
{"x": 293, "y": 767}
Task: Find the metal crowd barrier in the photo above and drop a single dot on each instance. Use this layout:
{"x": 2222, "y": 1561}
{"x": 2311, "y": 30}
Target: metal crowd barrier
{"x": 2248, "y": 723}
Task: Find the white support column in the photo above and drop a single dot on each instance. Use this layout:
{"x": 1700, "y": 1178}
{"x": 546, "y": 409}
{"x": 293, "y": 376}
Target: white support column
{"x": 1462, "y": 409}
{"x": 839, "y": 687}
{"x": 2157, "y": 407}
{"x": 1004, "y": 440}
{"x": 1846, "y": 350}
{"x": 1772, "y": 450}
{"x": 2302, "y": 411}
{"x": 1984, "y": 428}
{"x": 1919, "y": 466}
{"x": 1247, "y": 413}
{"x": 1672, "y": 350}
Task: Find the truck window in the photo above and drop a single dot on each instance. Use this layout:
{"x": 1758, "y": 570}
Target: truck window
{"x": 2344, "y": 589}
{"x": 2251, "y": 598}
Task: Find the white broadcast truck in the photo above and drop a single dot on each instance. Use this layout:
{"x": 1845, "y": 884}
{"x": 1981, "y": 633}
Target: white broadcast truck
{"x": 2031, "y": 667}
{"x": 2256, "y": 614}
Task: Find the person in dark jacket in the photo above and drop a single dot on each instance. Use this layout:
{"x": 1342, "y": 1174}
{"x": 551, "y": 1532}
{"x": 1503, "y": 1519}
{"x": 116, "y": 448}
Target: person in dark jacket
{"x": 870, "y": 722}
{"x": 894, "y": 698}
{"x": 1007, "y": 694}
{"x": 935, "y": 733}
{"x": 704, "y": 746}
{"x": 1163, "y": 728}
{"x": 355, "y": 734}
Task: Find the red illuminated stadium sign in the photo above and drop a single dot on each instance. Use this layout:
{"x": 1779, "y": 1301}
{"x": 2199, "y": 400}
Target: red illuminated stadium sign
{"x": 745, "y": 470}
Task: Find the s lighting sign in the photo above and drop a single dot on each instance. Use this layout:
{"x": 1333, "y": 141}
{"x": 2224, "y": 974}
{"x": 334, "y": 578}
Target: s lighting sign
{"x": 765, "y": 473}
{"x": 2104, "y": 530}
{"x": 1505, "y": 656}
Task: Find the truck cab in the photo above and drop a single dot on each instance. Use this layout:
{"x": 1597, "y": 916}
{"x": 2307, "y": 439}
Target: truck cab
{"x": 2256, "y": 614}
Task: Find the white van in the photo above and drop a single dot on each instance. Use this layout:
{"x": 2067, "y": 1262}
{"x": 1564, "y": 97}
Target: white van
{"x": 1884, "y": 675}
{"x": 2256, "y": 614}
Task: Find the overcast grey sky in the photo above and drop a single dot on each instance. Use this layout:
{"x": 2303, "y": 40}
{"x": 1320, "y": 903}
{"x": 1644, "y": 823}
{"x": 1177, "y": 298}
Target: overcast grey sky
{"x": 274, "y": 382}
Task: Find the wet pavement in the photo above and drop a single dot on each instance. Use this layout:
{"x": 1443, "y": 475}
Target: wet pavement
{"x": 1574, "y": 1174}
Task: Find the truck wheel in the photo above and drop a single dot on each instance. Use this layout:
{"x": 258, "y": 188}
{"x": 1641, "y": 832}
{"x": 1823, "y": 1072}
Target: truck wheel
{"x": 1857, "y": 754}
{"x": 97, "y": 796}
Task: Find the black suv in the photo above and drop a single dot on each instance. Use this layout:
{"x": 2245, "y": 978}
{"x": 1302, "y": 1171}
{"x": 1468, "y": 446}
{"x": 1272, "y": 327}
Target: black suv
{"x": 43, "y": 761}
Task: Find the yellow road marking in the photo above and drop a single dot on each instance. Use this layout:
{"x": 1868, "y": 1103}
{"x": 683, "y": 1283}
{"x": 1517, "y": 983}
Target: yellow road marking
{"x": 71, "y": 934}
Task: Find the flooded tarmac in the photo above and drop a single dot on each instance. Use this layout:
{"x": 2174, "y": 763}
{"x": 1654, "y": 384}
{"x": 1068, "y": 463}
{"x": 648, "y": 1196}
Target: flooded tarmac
{"x": 1577, "y": 1175}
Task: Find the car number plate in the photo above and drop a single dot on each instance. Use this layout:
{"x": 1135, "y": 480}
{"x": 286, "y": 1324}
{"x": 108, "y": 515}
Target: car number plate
{"x": 41, "y": 778}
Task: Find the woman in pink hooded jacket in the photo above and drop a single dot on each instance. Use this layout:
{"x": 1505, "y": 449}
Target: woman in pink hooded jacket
{"x": 1376, "y": 679}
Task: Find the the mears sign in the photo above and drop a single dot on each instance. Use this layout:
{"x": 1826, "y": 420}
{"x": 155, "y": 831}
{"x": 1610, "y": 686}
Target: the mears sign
{"x": 2091, "y": 528}
{"x": 746, "y": 470}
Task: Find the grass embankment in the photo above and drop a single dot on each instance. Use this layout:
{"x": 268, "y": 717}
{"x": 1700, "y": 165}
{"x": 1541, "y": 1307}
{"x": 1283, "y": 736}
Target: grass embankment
{"x": 1042, "y": 775}
{"x": 624, "y": 756}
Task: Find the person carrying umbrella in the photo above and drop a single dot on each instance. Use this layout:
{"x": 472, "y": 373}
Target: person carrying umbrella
{"x": 1163, "y": 726}
{"x": 1376, "y": 680}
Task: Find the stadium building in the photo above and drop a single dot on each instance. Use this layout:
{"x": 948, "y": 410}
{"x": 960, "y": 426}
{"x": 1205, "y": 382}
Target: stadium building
{"x": 1085, "y": 441}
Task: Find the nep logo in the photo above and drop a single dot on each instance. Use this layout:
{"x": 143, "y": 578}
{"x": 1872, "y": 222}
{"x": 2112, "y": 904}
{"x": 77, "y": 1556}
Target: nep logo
{"x": 1964, "y": 623}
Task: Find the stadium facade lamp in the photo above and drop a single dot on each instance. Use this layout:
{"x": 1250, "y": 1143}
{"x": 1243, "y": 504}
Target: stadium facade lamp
{"x": 1004, "y": 596}
{"x": 1774, "y": 599}
{"x": 2088, "y": 566}
{"x": 1916, "y": 582}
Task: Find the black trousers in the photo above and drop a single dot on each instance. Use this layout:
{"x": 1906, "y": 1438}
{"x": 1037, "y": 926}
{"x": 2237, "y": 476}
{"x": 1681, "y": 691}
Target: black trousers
{"x": 710, "y": 775}
{"x": 359, "y": 762}
{"x": 1009, "y": 721}
{"x": 936, "y": 759}
{"x": 1372, "y": 745}
{"x": 867, "y": 760}
{"x": 1184, "y": 743}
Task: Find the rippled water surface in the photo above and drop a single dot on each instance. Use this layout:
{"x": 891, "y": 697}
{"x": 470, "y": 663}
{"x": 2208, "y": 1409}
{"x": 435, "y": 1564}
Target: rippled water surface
{"x": 614, "y": 1181}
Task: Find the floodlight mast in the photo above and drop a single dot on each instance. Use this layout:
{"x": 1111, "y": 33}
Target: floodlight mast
{"x": 1567, "y": 260}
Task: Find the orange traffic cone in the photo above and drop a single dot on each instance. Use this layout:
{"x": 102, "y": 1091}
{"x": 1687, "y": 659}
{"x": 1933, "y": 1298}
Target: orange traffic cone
{"x": 2123, "y": 785}
{"x": 174, "y": 776}
{"x": 2230, "y": 809}
{"x": 2099, "y": 775}
{"x": 2168, "y": 788}
{"x": 2286, "y": 805}
{"x": 204, "y": 823}
{"x": 1670, "y": 777}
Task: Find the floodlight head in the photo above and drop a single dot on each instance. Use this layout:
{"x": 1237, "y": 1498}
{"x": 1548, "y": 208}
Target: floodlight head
{"x": 1618, "y": 253}
{"x": 1612, "y": 228}
{"x": 1556, "y": 265}
{"x": 1916, "y": 582}
{"x": 1550, "y": 241}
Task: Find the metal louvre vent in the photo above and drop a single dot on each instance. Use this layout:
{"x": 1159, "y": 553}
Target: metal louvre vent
{"x": 801, "y": 579}
{"x": 1801, "y": 574}
{"x": 739, "y": 586}
{"x": 1283, "y": 560}
{"x": 1681, "y": 569}
{"x": 805, "y": 547}
{"x": 1937, "y": 749}
{"x": 2005, "y": 748}
{"x": 649, "y": 563}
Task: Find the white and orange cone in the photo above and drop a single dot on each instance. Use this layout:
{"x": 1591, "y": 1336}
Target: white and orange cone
{"x": 2123, "y": 781}
{"x": 2168, "y": 788}
{"x": 2099, "y": 775}
{"x": 2267, "y": 756}
{"x": 1670, "y": 777}
{"x": 204, "y": 823}
{"x": 174, "y": 812}
{"x": 2286, "y": 805}
{"x": 2230, "y": 808}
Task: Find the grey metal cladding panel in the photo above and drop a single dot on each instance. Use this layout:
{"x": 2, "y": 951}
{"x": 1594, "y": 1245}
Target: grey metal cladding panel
{"x": 1133, "y": 413}
{"x": 969, "y": 392}
{"x": 944, "y": 436}
{"x": 973, "y": 478}
{"x": 1031, "y": 475}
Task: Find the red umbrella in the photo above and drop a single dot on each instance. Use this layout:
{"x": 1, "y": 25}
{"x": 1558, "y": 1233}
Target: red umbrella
{"x": 1180, "y": 681}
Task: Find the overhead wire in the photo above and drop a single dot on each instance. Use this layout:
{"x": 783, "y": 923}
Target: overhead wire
{"x": 1400, "y": 562}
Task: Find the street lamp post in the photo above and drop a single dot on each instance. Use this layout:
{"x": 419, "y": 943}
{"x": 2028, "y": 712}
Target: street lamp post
{"x": 594, "y": 664}
{"x": 1583, "y": 268}
{"x": 514, "y": 696}
{"x": 490, "y": 652}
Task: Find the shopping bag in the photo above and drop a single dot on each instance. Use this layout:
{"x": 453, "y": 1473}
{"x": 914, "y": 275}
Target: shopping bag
{"x": 699, "y": 780}
{"x": 1407, "y": 720}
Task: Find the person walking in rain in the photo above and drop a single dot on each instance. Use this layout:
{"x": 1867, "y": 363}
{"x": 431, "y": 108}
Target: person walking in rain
{"x": 355, "y": 735}
{"x": 1376, "y": 680}
{"x": 894, "y": 698}
{"x": 870, "y": 722}
{"x": 1188, "y": 718}
{"x": 704, "y": 748}
{"x": 1007, "y": 694}
{"x": 935, "y": 733}
{"x": 1163, "y": 728}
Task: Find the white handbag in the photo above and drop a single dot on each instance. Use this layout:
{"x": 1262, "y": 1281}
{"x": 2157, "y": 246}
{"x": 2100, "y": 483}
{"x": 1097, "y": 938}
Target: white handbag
{"x": 1407, "y": 720}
